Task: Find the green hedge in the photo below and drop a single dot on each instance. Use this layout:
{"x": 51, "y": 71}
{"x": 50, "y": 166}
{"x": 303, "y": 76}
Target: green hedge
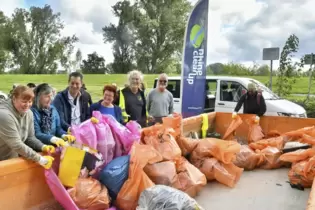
{"x": 309, "y": 106}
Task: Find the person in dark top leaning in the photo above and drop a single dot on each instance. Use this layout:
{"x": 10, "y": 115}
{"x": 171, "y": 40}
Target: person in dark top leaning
{"x": 88, "y": 95}
{"x": 253, "y": 103}
{"x": 106, "y": 106}
{"x": 132, "y": 100}
{"x": 72, "y": 103}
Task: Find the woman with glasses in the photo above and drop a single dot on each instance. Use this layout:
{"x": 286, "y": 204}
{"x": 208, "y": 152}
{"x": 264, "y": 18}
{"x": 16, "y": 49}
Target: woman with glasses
{"x": 46, "y": 118}
{"x": 106, "y": 106}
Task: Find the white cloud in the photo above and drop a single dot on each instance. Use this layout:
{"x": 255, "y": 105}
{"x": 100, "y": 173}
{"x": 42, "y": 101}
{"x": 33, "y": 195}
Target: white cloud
{"x": 238, "y": 29}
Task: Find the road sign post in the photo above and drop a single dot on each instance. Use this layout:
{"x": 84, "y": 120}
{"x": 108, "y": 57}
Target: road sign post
{"x": 309, "y": 59}
{"x": 271, "y": 54}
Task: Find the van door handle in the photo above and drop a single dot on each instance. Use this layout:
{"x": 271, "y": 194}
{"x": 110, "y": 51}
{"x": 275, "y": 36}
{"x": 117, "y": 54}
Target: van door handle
{"x": 176, "y": 100}
{"x": 221, "y": 104}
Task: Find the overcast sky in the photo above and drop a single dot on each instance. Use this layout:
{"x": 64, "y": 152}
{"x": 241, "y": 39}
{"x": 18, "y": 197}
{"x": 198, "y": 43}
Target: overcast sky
{"x": 238, "y": 29}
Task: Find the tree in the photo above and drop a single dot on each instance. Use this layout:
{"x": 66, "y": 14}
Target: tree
{"x": 78, "y": 60}
{"x": 288, "y": 70}
{"x": 215, "y": 68}
{"x": 236, "y": 69}
{"x": 159, "y": 27}
{"x": 262, "y": 71}
{"x": 121, "y": 37}
{"x": 35, "y": 40}
{"x": 4, "y": 54}
{"x": 94, "y": 64}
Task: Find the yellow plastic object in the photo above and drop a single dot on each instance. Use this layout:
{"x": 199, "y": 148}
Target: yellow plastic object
{"x": 70, "y": 166}
{"x": 205, "y": 125}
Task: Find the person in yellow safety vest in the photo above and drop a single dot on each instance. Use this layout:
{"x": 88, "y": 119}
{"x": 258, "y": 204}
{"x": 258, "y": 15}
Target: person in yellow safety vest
{"x": 132, "y": 101}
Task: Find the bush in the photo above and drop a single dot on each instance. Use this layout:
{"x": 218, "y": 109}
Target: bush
{"x": 309, "y": 106}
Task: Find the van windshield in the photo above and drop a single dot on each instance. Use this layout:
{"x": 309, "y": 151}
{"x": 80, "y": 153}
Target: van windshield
{"x": 266, "y": 92}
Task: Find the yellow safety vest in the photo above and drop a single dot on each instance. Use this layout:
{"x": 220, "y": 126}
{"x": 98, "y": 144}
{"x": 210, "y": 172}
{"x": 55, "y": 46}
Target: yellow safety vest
{"x": 205, "y": 125}
{"x": 122, "y": 105}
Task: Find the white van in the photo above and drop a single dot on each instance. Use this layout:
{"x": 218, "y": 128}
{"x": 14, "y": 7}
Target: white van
{"x": 224, "y": 92}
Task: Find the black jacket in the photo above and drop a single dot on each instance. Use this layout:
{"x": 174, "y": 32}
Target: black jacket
{"x": 61, "y": 102}
{"x": 252, "y": 104}
{"x": 128, "y": 105}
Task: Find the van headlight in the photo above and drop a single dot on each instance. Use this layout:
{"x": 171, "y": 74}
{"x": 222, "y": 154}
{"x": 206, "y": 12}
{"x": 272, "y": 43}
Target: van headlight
{"x": 292, "y": 115}
{"x": 282, "y": 114}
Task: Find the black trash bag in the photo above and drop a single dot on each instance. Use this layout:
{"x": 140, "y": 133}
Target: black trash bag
{"x": 161, "y": 197}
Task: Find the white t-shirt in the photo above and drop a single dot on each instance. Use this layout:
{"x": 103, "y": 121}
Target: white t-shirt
{"x": 75, "y": 109}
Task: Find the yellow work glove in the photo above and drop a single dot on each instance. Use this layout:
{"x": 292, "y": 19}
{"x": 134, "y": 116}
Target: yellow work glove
{"x": 58, "y": 142}
{"x": 94, "y": 120}
{"x": 46, "y": 161}
{"x": 48, "y": 149}
{"x": 257, "y": 119}
{"x": 68, "y": 138}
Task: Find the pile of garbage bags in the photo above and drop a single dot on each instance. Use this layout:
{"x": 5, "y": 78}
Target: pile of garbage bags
{"x": 260, "y": 150}
{"x": 266, "y": 151}
{"x": 209, "y": 158}
{"x": 90, "y": 173}
{"x": 108, "y": 166}
{"x": 112, "y": 166}
{"x": 302, "y": 171}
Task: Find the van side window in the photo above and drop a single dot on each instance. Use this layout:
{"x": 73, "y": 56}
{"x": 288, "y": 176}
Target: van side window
{"x": 211, "y": 87}
{"x": 174, "y": 87}
{"x": 231, "y": 91}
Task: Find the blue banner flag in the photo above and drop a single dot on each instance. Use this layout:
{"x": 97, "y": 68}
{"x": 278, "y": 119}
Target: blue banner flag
{"x": 193, "y": 80}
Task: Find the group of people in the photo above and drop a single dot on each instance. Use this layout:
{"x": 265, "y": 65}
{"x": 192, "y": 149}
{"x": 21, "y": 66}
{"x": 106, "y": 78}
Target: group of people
{"x": 36, "y": 119}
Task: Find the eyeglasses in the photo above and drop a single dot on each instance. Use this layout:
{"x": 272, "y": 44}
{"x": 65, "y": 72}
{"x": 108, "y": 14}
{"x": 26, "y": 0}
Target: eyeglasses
{"x": 109, "y": 95}
{"x": 162, "y": 81}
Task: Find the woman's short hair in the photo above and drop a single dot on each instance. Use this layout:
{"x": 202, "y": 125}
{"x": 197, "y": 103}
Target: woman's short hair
{"x": 110, "y": 88}
{"x": 42, "y": 89}
{"x": 23, "y": 92}
{"x": 135, "y": 73}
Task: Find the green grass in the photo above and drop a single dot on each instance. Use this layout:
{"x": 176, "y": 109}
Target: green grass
{"x": 95, "y": 83}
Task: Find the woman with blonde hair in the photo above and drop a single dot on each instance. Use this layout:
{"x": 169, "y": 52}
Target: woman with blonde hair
{"x": 131, "y": 99}
{"x": 17, "y": 136}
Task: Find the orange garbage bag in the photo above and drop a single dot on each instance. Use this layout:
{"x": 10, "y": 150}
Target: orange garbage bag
{"x": 225, "y": 151}
{"x": 191, "y": 180}
{"x": 187, "y": 145}
{"x": 277, "y": 142}
{"x": 255, "y": 132}
{"x": 298, "y": 155}
{"x": 271, "y": 157}
{"x": 174, "y": 122}
{"x": 273, "y": 133}
{"x": 164, "y": 142}
{"x": 307, "y": 139}
{"x": 151, "y": 131}
{"x": 162, "y": 173}
{"x": 227, "y": 174}
{"x": 297, "y": 134}
{"x": 248, "y": 159}
{"x": 298, "y": 176}
{"x": 230, "y": 132}
{"x": 89, "y": 194}
{"x": 140, "y": 155}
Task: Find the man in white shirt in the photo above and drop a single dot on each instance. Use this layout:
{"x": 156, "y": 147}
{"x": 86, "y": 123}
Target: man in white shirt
{"x": 72, "y": 103}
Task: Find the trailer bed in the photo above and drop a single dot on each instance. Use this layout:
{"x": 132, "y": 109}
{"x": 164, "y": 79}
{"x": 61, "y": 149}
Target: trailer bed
{"x": 258, "y": 189}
